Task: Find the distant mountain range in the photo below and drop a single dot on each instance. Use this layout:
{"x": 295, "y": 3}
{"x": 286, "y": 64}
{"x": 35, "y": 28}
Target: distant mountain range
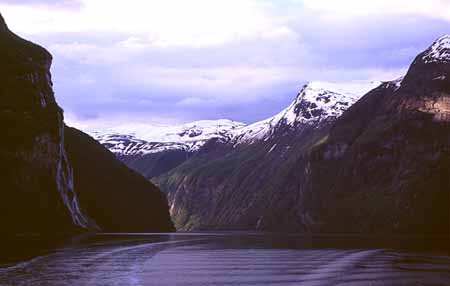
{"x": 141, "y": 139}
{"x": 359, "y": 157}
{"x": 316, "y": 102}
{"x": 153, "y": 150}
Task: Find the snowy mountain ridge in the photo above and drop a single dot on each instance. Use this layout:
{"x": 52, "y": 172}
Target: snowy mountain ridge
{"x": 316, "y": 102}
{"x": 145, "y": 139}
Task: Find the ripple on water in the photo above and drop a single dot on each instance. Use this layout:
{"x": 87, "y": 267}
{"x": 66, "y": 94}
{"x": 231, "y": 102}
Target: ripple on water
{"x": 210, "y": 261}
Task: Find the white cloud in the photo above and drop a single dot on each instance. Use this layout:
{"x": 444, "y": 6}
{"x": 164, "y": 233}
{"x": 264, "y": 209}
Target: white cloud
{"x": 133, "y": 42}
{"x": 210, "y": 81}
{"x": 195, "y": 23}
{"x": 238, "y": 84}
{"x": 439, "y": 9}
{"x": 191, "y": 101}
{"x": 106, "y": 121}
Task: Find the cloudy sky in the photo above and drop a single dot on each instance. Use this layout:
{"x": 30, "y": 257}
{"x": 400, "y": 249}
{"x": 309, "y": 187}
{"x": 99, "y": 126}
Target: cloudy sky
{"x": 170, "y": 61}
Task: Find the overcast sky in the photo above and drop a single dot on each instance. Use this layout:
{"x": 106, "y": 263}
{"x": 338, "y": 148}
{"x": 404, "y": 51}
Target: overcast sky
{"x": 178, "y": 61}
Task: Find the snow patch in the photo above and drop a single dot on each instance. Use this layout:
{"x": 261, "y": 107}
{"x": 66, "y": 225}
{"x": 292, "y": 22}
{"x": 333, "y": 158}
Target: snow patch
{"x": 442, "y": 77}
{"x": 273, "y": 147}
{"x": 398, "y": 82}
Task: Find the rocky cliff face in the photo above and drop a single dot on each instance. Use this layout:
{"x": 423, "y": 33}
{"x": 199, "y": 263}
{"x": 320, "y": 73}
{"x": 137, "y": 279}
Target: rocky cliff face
{"x": 392, "y": 170}
{"x": 36, "y": 179}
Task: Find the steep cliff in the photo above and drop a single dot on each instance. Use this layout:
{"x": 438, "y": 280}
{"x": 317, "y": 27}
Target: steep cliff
{"x": 36, "y": 179}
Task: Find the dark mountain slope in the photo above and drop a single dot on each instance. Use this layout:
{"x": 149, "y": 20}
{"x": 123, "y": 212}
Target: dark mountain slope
{"x": 35, "y": 177}
{"x": 116, "y": 197}
{"x": 155, "y": 164}
{"x": 394, "y": 172}
{"x": 222, "y": 186}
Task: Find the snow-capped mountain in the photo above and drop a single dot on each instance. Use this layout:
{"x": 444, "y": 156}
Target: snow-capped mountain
{"x": 439, "y": 51}
{"x": 316, "y": 102}
{"x": 142, "y": 139}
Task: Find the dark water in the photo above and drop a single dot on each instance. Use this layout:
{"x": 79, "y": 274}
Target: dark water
{"x": 236, "y": 259}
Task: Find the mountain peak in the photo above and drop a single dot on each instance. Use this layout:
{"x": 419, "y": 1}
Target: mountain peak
{"x": 316, "y": 102}
{"x": 319, "y": 100}
{"x": 439, "y": 51}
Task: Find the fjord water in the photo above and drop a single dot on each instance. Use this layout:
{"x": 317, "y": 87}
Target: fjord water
{"x": 236, "y": 259}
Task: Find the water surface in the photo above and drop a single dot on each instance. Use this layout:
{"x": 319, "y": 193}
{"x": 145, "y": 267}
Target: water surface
{"x": 234, "y": 259}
